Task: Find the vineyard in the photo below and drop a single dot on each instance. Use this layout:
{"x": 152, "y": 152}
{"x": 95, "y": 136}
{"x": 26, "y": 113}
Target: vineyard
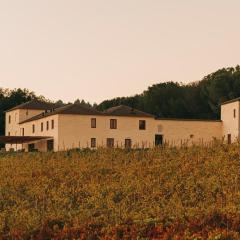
{"x": 165, "y": 193}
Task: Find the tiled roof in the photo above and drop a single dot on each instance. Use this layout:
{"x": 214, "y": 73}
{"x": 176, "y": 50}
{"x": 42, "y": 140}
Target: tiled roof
{"x": 68, "y": 109}
{"x": 189, "y": 119}
{"x": 232, "y": 100}
{"x": 123, "y": 110}
{"x": 34, "y": 104}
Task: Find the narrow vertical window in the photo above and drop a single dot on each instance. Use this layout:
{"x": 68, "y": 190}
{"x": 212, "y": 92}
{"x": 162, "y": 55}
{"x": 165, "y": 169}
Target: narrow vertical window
{"x": 93, "y": 122}
{"x": 234, "y": 113}
{"x": 142, "y": 124}
{"x": 93, "y": 142}
{"x": 9, "y": 119}
{"x": 42, "y": 127}
{"x": 52, "y": 124}
{"x": 113, "y": 123}
{"x": 229, "y": 138}
{"x": 33, "y": 128}
{"x": 9, "y": 134}
{"x": 47, "y": 125}
{"x": 22, "y": 131}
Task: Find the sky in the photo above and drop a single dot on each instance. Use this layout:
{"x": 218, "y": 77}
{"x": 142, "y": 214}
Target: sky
{"x": 101, "y": 49}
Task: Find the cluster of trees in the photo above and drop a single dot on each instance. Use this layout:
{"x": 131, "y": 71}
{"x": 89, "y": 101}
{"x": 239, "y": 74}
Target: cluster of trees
{"x": 195, "y": 100}
{"x": 174, "y": 100}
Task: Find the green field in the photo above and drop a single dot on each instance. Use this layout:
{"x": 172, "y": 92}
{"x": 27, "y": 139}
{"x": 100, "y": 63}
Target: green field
{"x": 166, "y": 193}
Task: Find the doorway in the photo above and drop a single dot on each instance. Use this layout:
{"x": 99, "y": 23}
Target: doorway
{"x": 50, "y": 145}
{"x": 128, "y": 143}
{"x": 158, "y": 140}
{"x": 31, "y": 147}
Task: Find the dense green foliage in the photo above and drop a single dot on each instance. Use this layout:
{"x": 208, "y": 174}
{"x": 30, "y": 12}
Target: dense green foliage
{"x": 196, "y": 100}
{"x": 187, "y": 193}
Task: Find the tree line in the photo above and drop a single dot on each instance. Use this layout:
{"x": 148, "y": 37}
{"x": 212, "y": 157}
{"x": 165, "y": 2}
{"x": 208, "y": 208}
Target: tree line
{"x": 197, "y": 100}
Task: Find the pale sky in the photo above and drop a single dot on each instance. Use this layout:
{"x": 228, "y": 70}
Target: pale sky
{"x": 100, "y": 49}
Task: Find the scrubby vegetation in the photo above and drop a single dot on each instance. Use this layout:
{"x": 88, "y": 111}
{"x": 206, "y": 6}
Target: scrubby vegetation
{"x": 165, "y": 193}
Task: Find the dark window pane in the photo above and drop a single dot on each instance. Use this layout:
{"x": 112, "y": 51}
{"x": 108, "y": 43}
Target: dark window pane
{"x": 93, "y": 122}
{"x": 93, "y": 142}
{"x": 142, "y": 124}
{"x": 113, "y": 123}
{"x": 110, "y": 142}
{"x": 52, "y": 124}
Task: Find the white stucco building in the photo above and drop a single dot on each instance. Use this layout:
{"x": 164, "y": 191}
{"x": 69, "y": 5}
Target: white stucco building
{"x": 43, "y": 126}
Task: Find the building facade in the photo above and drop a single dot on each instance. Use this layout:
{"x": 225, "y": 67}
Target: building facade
{"x": 46, "y": 127}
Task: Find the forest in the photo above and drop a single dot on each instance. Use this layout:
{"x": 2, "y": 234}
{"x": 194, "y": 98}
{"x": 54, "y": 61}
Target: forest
{"x": 196, "y": 100}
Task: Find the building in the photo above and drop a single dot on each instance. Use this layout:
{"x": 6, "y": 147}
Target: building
{"x": 36, "y": 125}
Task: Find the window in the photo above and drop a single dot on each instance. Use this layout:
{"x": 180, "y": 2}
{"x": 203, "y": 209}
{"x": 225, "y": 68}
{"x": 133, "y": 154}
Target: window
{"x": 128, "y": 143}
{"x": 31, "y": 147}
{"x": 52, "y": 124}
{"x": 110, "y": 142}
{"x": 142, "y": 124}
{"x": 22, "y": 131}
{"x": 229, "y": 138}
{"x": 9, "y": 134}
{"x": 47, "y": 125}
{"x": 93, "y": 122}
{"x": 42, "y": 127}
{"x": 33, "y": 128}
{"x": 234, "y": 113}
{"x": 93, "y": 142}
{"x": 113, "y": 123}
{"x": 9, "y": 119}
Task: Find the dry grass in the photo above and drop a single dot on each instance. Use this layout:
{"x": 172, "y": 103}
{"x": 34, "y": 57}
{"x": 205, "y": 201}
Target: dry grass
{"x": 188, "y": 193}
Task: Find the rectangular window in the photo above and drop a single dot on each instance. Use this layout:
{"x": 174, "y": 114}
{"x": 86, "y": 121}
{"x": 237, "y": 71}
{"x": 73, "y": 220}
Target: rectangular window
{"x": 22, "y": 131}
{"x": 33, "y": 128}
{"x": 229, "y": 138}
{"x": 93, "y": 122}
{"x": 110, "y": 142}
{"x": 234, "y": 113}
{"x": 9, "y": 119}
{"x": 142, "y": 124}
{"x": 93, "y": 142}
{"x": 52, "y": 124}
{"x": 47, "y": 125}
{"x": 42, "y": 127}
{"x": 128, "y": 143}
{"x": 113, "y": 123}
{"x": 9, "y": 134}
{"x": 31, "y": 147}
